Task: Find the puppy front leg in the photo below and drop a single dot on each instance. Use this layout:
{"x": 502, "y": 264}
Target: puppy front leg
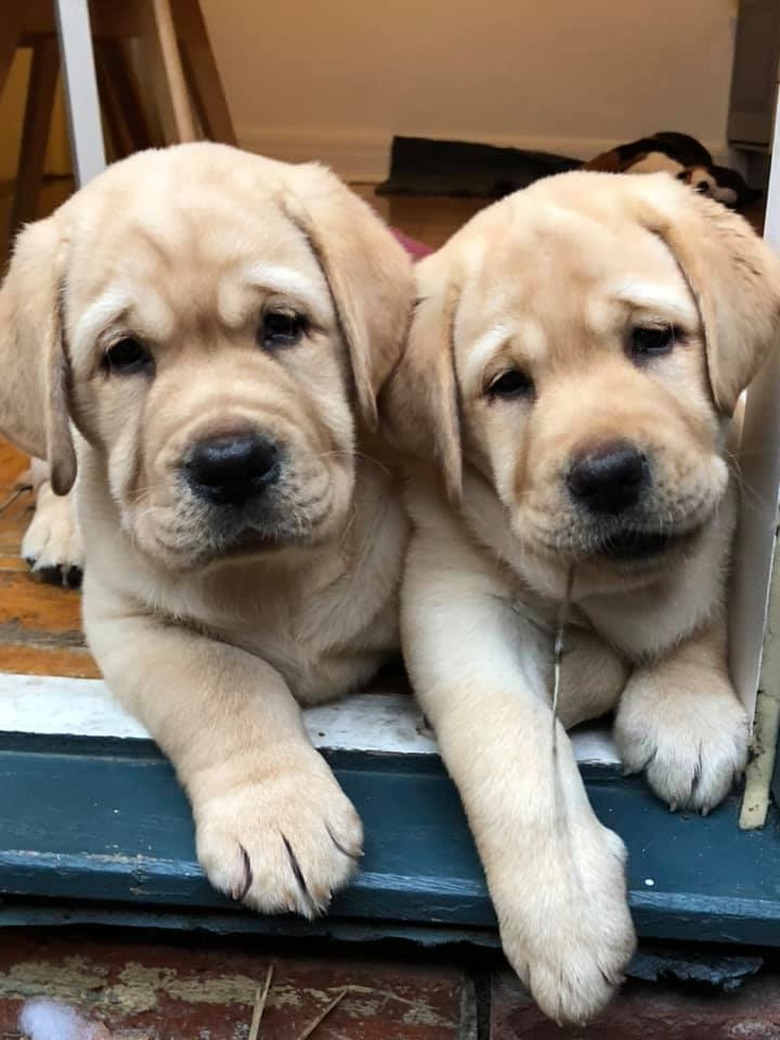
{"x": 555, "y": 874}
{"x": 274, "y": 828}
{"x": 680, "y": 720}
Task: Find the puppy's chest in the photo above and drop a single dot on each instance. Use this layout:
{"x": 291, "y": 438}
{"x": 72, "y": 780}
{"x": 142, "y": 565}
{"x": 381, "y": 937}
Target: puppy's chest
{"x": 324, "y": 630}
{"x": 623, "y": 623}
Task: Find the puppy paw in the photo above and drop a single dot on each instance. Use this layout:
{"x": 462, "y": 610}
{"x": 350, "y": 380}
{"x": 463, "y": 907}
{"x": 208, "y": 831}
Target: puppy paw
{"x": 283, "y": 841}
{"x": 52, "y": 544}
{"x": 692, "y": 747}
{"x": 570, "y": 936}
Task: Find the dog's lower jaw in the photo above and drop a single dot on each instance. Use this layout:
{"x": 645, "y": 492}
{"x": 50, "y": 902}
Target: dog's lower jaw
{"x": 636, "y": 551}
{"x": 163, "y": 546}
{"x": 620, "y": 562}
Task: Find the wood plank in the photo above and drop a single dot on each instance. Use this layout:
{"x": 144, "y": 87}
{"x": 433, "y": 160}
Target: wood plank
{"x": 12, "y": 463}
{"x": 111, "y": 825}
{"x": 382, "y": 721}
{"x": 202, "y": 72}
{"x": 13, "y": 563}
{"x": 37, "y": 613}
{"x": 65, "y": 662}
{"x": 44, "y": 72}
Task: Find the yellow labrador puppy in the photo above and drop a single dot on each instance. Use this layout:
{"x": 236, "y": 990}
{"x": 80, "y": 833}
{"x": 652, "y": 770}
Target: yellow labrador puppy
{"x": 216, "y": 325}
{"x": 577, "y": 351}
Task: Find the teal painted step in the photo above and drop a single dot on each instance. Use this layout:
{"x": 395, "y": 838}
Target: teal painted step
{"x": 107, "y": 823}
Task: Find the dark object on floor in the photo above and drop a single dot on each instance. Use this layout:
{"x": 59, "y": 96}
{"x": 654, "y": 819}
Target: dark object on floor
{"x": 683, "y": 157}
{"x": 646, "y": 1012}
{"x": 679, "y": 149}
{"x": 420, "y": 166}
{"x": 727, "y": 972}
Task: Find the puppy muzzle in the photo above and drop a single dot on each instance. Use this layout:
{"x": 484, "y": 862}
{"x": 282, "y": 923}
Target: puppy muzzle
{"x": 615, "y": 495}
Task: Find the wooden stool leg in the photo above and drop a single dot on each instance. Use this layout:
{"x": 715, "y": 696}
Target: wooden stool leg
{"x": 9, "y": 41}
{"x": 37, "y": 123}
{"x": 125, "y": 116}
{"x": 118, "y": 144}
{"x": 202, "y": 73}
{"x": 174, "y": 73}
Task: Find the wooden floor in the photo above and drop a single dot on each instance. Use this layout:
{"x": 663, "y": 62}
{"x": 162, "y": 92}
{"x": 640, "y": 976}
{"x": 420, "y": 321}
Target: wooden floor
{"x": 40, "y": 626}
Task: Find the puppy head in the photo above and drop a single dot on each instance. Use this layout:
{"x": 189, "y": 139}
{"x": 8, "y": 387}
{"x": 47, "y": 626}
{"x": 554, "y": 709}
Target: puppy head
{"x": 216, "y": 325}
{"x": 580, "y": 344}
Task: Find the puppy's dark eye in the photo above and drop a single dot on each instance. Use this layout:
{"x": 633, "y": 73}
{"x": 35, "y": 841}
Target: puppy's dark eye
{"x": 281, "y": 329}
{"x": 649, "y": 341}
{"x": 126, "y": 357}
{"x": 510, "y": 385}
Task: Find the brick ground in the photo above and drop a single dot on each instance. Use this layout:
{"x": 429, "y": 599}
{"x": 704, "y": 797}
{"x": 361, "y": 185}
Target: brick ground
{"x": 646, "y": 1011}
{"x": 206, "y": 989}
{"x": 167, "y": 991}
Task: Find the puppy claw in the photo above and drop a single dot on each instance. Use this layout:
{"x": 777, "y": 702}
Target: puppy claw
{"x": 696, "y": 779}
{"x": 52, "y": 545}
{"x": 306, "y": 896}
{"x": 574, "y": 970}
{"x": 700, "y": 742}
{"x": 267, "y": 842}
{"x": 73, "y": 577}
{"x": 67, "y": 577}
{"x": 614, "y": 980}
{"x": 240, "y": 892}
{"x": 353, "y": 854}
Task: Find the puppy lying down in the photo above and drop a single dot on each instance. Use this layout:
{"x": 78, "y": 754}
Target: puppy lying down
{"x": 216, "y": 326}
{"x": 576, "y": 353}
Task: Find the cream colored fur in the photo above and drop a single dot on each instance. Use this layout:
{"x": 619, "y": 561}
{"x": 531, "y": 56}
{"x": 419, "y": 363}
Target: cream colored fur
{"x": 214, "y": 637}
{"x": 550, "y": 283}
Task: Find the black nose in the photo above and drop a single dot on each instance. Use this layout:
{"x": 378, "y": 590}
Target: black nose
{"x": 232, "y": 470}
{"x": 610, "y": 479}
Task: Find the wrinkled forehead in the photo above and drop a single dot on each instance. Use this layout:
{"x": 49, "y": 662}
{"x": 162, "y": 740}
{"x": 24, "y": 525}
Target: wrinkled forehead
{"x": 560, "y": 270}
{"x": 172, "y": 262}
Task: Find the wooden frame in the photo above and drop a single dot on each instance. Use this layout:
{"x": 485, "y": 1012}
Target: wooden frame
{"x": 94, "y": 823}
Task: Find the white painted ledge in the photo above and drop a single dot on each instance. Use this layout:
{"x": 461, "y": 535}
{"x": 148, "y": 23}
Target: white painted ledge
{"x": 374, "y": 722}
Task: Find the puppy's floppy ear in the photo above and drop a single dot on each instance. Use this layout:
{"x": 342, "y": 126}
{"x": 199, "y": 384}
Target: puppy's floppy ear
{"x": 419, "y": 409}
{"x": 733, "y": 274}
{"x": 369, "y": 273}
{"x": 34, "y": 384}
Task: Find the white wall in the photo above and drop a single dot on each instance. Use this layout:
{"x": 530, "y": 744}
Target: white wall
{"x": 336, "y": 78}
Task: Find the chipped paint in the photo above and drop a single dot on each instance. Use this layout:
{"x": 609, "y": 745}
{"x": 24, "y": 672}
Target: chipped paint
{"x": 136, "y": 991}
{"x": 138, "y": 987}
{"x": 375, "y": 1001}
{"x": 58, "y": 981}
